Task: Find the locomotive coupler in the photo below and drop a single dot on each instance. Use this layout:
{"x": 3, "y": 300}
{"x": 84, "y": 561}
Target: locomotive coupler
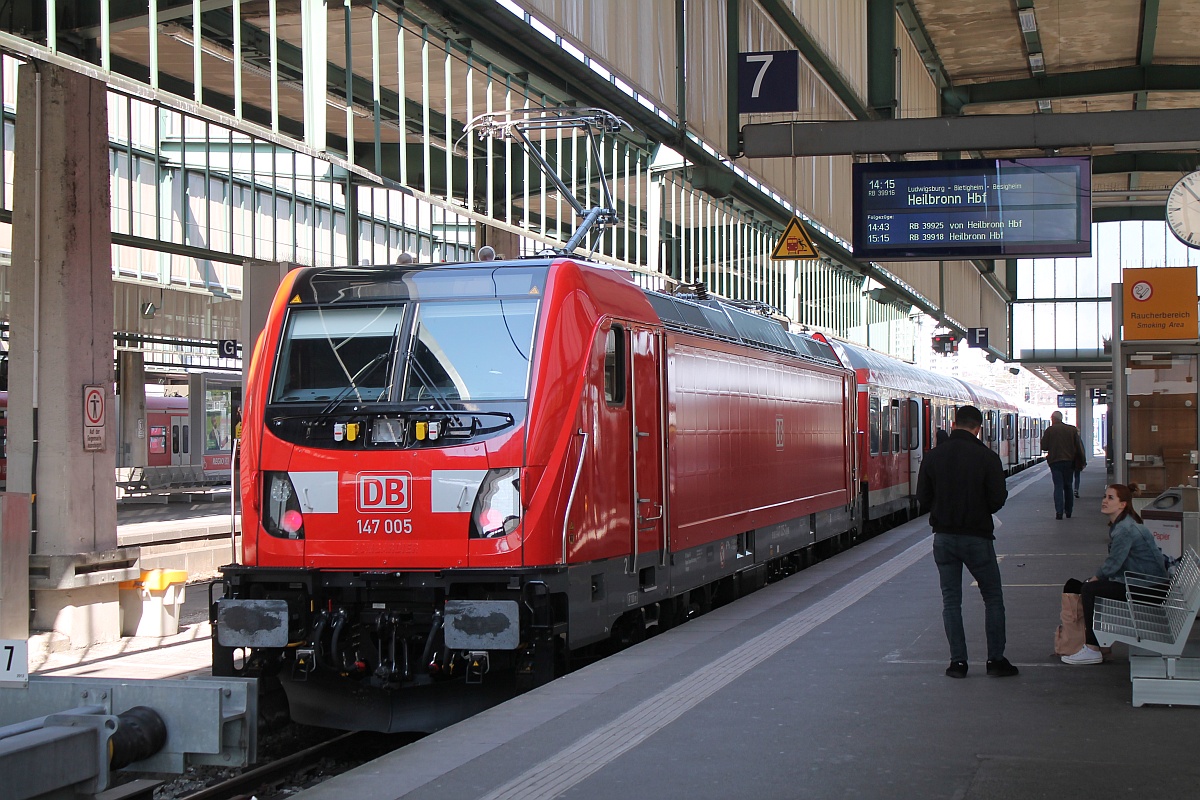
{"x": 477, "y": 666}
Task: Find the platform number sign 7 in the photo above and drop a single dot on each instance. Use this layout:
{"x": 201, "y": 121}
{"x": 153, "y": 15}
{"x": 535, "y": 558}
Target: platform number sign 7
{"x": 769, "y": 82}
{"x": 14, "y": 662}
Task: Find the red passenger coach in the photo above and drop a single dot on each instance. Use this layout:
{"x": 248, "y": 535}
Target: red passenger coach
{"x": 454, "y": 475}
{"x": 900, "y": 409}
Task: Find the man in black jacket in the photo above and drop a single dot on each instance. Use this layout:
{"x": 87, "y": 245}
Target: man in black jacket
{"x": 962, "y": 484}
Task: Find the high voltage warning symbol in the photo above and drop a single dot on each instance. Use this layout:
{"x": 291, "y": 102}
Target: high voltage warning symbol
{"x": 795, "y": 242}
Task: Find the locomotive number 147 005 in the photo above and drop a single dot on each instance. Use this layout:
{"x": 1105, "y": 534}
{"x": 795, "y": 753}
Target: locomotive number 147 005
{"x": 387, "y": 525}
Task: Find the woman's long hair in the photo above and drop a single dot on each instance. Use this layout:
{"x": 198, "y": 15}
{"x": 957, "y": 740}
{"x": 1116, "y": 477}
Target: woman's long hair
{"x": 1125, "y": 495}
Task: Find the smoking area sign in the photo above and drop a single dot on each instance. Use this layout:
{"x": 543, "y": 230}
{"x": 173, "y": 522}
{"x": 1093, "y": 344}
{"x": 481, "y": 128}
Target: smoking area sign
{"x": 93, "y": 418}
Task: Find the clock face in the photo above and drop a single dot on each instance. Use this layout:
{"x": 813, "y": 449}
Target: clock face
{"x": 1183, "y": 210}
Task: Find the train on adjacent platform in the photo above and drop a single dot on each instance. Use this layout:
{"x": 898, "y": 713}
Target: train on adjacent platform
{"x": 455, "y": 476}
{"x": 166, "y": 429}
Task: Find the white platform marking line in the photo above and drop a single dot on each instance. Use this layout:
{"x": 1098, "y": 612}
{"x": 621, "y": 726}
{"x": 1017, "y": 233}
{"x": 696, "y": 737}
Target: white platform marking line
{"x": 588, "y": 755}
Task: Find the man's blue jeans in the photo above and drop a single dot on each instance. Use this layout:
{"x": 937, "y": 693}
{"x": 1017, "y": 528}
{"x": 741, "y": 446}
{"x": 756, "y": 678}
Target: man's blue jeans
{"x": 951, "y": 552}
{"x": 1063, "y": 473}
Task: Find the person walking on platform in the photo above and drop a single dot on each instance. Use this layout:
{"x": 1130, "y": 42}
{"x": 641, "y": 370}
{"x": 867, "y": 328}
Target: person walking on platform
{"x": 1131, "y": 548}
{"x": 1061, "y": 444}
{"x": 962, "y": 484}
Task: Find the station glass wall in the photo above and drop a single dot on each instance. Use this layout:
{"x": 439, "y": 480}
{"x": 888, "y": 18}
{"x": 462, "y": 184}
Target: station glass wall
{"x": 1063, "y": 307}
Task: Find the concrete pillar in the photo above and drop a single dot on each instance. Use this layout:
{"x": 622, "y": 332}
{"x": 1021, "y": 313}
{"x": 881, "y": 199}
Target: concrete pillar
{"x": 260, "y": 279}
{"x": 1083, "y": 415}
{"x": 14, "y": 565}
{"x": 61, "y": 285}
{"x": 134, "y": 446}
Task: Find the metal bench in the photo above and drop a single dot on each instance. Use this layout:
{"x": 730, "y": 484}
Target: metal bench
{"x": 161, "y": 484}
{"x": 131, "y": 479}
{"x": 1155, "y": 620}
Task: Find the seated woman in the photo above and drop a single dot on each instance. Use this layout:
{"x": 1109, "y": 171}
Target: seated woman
{"x": 1131, "y": 548}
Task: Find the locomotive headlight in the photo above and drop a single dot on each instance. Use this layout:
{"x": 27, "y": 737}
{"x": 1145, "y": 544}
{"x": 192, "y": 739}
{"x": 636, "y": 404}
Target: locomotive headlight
{"x": 281, "y": 508}
{"x": 497, "y": 510}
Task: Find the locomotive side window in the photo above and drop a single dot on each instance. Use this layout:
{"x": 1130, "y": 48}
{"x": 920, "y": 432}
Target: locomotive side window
{"x": 873, "y": 424}
{"x": 614, "y": 365}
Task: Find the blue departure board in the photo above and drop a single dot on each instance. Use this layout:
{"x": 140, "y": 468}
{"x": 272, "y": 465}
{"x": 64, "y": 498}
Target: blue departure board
{"x": 986, "y": 208}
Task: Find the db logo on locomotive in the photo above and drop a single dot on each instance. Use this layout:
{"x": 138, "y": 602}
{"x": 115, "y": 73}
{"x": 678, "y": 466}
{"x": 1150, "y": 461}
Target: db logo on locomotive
{"x": 383, "y": 491}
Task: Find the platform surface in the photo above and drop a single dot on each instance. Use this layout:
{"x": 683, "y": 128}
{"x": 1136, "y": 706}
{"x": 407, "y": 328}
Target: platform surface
{"x": 830, "y": 684}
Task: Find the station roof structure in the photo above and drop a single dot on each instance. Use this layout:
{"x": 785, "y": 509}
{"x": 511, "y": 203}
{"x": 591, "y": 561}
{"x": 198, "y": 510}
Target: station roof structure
{"x": 1115, "y": 80}
{"x": 1023, "y": 65}
{"x": 1013, "y": 61}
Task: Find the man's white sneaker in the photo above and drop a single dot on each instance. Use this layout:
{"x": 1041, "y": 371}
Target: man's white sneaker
{"x": 1086, "y": 655}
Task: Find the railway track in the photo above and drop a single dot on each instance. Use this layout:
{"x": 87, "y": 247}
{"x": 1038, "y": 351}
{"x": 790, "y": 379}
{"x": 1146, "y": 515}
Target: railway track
{"x": 285, "y": 775}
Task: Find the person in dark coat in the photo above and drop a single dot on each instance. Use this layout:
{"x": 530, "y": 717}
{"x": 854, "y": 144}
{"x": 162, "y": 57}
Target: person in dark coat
{"x": 1062, "y": 445}
{"x": 962, "y": 483}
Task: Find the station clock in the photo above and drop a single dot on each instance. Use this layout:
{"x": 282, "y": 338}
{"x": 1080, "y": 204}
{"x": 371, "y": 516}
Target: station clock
{"x": 1183, "y": 210}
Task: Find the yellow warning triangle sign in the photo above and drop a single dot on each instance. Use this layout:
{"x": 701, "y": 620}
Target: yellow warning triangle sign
{"x": 795, "y": 242}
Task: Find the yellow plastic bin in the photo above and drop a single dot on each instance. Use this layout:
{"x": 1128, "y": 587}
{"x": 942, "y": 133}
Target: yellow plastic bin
{"x": 150, "y": 605}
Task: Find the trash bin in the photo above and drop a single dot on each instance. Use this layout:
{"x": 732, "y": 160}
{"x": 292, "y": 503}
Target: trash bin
{"x": 1174, "y": 519}
{"x": 1164, "y": 517}
{"x": 150, "y": 605}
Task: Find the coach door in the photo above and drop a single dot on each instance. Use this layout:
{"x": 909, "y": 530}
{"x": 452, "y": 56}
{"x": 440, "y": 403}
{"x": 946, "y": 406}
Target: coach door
{"x": 180, "y": 436}
{"x": 647, "y": 468}
{"x": 914, "y": 440}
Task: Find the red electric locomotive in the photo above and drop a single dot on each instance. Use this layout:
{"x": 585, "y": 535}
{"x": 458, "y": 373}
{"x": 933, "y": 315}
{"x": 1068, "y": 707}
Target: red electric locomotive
{"x": 454, "y": 475}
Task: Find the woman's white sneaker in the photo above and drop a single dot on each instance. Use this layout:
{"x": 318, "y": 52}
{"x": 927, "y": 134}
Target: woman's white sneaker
{"x": 1086, "y": 655}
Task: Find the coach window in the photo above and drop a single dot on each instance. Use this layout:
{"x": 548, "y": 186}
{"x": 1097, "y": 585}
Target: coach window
{"x": 914, "y": 423}
{"x": 885, "y": 432}
{"x": 873, "y": 424}
{"x": 899, "y": 424}
{"x": 614, "y": 365}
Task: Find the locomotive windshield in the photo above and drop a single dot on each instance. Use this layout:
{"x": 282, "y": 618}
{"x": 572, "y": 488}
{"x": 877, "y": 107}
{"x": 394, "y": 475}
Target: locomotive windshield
{"x": 432, "y": 351}
{"x": 471, "y": 350}
{"x": 327, "y": 352}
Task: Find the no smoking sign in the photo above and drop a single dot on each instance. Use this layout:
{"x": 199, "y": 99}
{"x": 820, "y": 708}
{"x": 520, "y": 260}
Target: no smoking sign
{"x": 93, "y": 418}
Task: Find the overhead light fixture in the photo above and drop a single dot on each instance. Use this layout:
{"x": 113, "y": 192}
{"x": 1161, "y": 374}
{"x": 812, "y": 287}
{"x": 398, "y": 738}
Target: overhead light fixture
{"x": 148, "y": 310}
{"x": 1044, "y": 106}
{"x": 1150, "y": 147}
{"x": 1028, "y": 20}
{"x": 1037, "y": 62}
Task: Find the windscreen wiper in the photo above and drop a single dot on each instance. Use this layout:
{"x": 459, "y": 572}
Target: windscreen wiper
{"x": 434, "y": 396}
{"x": 366, "y": 370}
{"x": 509, "y": 420}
